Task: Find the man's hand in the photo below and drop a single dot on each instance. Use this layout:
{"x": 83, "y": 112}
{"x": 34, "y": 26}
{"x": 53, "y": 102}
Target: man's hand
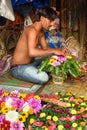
{"x": 62, "y": 51}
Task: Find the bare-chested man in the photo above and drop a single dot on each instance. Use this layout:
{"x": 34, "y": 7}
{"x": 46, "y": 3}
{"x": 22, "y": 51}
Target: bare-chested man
{"x": 24, "y": 61}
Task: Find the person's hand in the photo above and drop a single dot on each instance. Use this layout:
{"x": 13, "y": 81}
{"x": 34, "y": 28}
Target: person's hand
{"x": 62, "y": 51}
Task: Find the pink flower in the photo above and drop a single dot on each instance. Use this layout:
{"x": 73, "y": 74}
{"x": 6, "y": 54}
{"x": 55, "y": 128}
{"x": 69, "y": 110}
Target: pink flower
{"x": 68, "y": 118}
{"x": 61, "y": 58}
{"x": 56, "y": 63}
{"x": 52, "y": 127}
{"x": 62, "y": 118}
{"x": 1, "y": 119}
{"x": 1, "y": 92}
{"x": 35, "y": 104}
{"x": 72, "y": 129}
{"x": 73, "y": 118}
{"x": 18, "y": 104}
{"x": 71, "y": 99}
{"x": 15, "y": 94}
{"x": 16, "y": 126}
{"x": 38, "y": 123}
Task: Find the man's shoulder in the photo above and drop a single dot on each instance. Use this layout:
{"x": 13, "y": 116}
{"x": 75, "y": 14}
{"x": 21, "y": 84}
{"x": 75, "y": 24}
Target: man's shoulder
{"x": 30, "y": 29}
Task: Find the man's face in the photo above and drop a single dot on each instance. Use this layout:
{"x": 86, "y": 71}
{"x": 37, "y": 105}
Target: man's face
{"x": 46, "y": 23}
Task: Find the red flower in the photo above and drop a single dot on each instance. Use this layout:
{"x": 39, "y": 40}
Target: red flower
{"x": 5, "y": 125}
{"x": 78, "y": 117}
{"x": 28, "y": 96}
{"x": 66, "y": 125}
{"x": 67, "y": 111}
{"x": 57, "y": 110}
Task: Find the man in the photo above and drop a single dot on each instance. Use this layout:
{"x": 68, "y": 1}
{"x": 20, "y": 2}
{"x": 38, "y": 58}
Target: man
{"x": 25, "y": 58}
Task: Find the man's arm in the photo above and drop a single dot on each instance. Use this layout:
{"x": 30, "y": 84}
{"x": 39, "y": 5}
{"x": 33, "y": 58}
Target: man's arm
{"x": 34, "y": 51}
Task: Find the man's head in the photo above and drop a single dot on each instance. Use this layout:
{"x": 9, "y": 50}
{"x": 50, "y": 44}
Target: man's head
{"x": 46, "y": 15}
{"x": 46, "y": 12}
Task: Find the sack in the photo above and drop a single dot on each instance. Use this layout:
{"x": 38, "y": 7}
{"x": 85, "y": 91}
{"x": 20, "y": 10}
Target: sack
{"x": 5, "y": 64}
{"x": 3, "y": 51}
{"x": 9, "y": 40}
{"x": 6, "y": 9}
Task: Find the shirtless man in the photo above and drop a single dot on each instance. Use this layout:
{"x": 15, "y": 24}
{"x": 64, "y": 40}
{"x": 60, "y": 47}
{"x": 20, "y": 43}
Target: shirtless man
{"x": 24, "y": 62}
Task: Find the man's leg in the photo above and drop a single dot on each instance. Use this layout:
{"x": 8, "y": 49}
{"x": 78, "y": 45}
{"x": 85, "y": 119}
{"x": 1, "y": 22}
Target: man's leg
{"x": 29, "y": 73}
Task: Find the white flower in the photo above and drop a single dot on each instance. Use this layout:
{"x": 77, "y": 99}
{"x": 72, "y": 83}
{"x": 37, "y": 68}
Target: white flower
{"x": 8, "y": 102}
{"x": 12, "y": 116}
{"x": 26, "y": 107}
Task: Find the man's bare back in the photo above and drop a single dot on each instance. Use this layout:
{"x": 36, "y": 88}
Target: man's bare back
{"x": 21, "y": 54}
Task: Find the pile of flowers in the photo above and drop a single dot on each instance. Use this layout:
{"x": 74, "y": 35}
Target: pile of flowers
{"x": 61, "y": 66}
{"x": 20, "y": 111}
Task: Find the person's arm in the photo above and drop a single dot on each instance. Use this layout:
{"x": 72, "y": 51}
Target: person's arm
{"x": 38, "y": 52}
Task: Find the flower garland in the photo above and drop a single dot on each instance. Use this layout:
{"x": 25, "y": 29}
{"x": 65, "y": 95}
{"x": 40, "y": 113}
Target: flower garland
{"x": 20, "y": 111}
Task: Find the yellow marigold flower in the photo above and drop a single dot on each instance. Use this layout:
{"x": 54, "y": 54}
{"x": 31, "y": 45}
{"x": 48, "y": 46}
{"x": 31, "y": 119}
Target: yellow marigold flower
{"x": 31, "y": 121}
{"x": 73, "y": 111}
{"x": 69, "y": 57}
{"x": 48, "y": 117}
{"x": 73, "y": 104}
{"x": 81, "y": 96}
{"x": 37, "y": 97}
{"x": 4, "y": 110}
{"x": 85, "y": 99}
{"x": 60, "y": 99}
{"x": 51, "y": 61}
{"x": 21, "y": 96}
{"x": 60, "y": 127}
{"x": 66, "y": 99}
{"x": 56, "y": 93}
{"x": 74, "y": 125}
{"x": 79, "y": 128}
{"x": 68, "y": 105}
{"x": 0, "y": 112}
{"x": 55, "y": 118}
{"x": 25, "y": 114}
{"x": 83, "y": 104}
{"x": 21, "y": 119}
{"x": 4, "y": 94}
{"x": 86, "y": 109}
{"x": 69, "y": 94}
{"x": 46, "y": 129}
{"x": 42, "y": 115}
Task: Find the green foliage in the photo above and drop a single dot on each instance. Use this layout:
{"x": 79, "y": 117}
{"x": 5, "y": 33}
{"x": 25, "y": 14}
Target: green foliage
{"x": 68, "y": 67}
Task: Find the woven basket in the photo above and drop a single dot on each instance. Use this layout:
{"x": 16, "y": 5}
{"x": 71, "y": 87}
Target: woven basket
{"x": 57, "y": 79}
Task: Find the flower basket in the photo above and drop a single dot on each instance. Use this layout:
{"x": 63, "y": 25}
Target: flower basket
{"x": 60, "y": 67}
{"x": 57, "y": 79}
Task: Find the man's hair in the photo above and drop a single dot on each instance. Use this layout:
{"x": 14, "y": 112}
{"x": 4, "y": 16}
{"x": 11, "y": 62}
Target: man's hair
{"x": 47, "y": 12}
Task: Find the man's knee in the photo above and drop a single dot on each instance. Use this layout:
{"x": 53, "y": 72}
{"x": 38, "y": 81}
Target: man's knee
{"x": 44, "y": 78}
